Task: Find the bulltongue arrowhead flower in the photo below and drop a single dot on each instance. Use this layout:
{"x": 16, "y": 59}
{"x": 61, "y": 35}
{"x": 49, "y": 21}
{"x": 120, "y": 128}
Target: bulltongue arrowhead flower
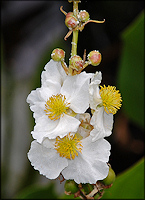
{"x": 104, "y": 102}
{"x": 75, "y": 156}
{"x": 56, "y": 103}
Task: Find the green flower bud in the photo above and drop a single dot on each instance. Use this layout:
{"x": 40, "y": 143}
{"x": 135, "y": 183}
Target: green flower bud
{"x": 87, "y": 188}
{"x": 94, "y": 57}
{"x": 58, "y": 55}
{"x": 76, "y": 62}
{"x": 83, "y": 16}
{"x": 71, "y": 186}
{"x": 110, "y": 178}
{"x": 70, "y": 20}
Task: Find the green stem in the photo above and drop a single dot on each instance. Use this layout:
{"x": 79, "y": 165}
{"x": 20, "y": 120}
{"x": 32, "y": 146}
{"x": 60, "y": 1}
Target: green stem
{"x": 75, "y": 33}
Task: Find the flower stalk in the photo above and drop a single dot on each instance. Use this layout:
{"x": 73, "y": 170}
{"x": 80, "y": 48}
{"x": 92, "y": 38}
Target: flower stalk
{"x": 75, "y": 32}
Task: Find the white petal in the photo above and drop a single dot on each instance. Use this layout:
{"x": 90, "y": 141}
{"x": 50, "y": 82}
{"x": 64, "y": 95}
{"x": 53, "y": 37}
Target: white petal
{"x": 43, "y": 128}
{"x": 103, "y": 124}
{"x": 53, "y": 86}
{"x": 51, "y": 129}
{"x": 54, "y": 73}
{"x": 38, "y": 98}
{"x": 46, "y": 160}
{"x": 75, "y": 89}
{"x": 33, "y": 97}
{"x": 46, "y": 92}
{"x": 95, "y": 97}
{"x": 90, "y": 166}
{"x": 38, "y": 109}
{"x": 66, "y": 124}
{"x": 96, "y": 78}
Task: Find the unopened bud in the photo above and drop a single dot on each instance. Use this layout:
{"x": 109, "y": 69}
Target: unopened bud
{"x": 110, "y": 178}
{"x": 71, "y": 186}
{"x": 70, "y": 20}
{"x": 94, "y": 57}
{"x": 58, "y": 55}
{"x": 83, "y": 16}
{"x": 87, "y": 188}
{"x": 76, "y": 62}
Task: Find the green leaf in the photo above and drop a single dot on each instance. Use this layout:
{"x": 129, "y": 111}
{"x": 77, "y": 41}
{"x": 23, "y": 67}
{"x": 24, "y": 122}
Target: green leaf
{"x": 64, "y": 196}
{"x": 38, "y": 192}
{"x": 129, "y": 184}
{"x": 131, "y": 71}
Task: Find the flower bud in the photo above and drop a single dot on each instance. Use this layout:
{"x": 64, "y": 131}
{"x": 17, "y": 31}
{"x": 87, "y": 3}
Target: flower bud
{"x": 76, "y": 62}
{"x": 87, "y": 188}
{"x": 71, "y": 186}
{"x": 70, "y": 20}
{"x": 83, "y": 16}
{"x": 94, "y": 57}
{"x": 110, "y": 178}
{"x": 58, "y": 55}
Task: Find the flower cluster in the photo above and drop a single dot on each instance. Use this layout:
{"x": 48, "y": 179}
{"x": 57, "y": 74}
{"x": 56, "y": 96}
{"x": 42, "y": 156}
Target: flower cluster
{"x": 69, "y": 140}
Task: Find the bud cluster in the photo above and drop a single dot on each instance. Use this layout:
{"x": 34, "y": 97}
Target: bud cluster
{"x": 77, "y": 21}
{"x": 76, "y": 64}
{"x": 72, "y": 21}
{"x": 89, "y": 190}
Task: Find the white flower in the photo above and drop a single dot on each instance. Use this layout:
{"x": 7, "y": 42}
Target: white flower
{"x": 57, "y": 102}
{"x": 102, "y": 123}
{"x": 83, "y": 161}
{"x": 104, "y": 103}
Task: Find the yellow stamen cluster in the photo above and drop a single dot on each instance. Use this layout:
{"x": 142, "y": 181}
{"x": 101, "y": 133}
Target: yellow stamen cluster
{"x": 111, "y": 98}
{"x": 68, "y": 146}
{"x": 56, "y": 106}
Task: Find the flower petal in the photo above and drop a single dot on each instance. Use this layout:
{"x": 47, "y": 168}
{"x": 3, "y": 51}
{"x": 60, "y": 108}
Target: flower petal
{"x": 34, "y": 97}
{"x": 90, "y": 166}
{"x": 37, "y": 99}
{"x": 46, "y": 160}
{"x": 75, "y": 89}
{"x": 103, "y": 124}
{"x": 96, "y": 78}
{"x": 43, "y": 128}
{"x": 46, "y": 127}
{"x": 66, "y": 124}
{"x": 95, "y": 97}
{"x": 54, "y": 73}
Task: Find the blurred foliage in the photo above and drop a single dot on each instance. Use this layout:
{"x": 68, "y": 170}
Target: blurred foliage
{"x": 38, "y": 192}
{"x": 129, "y": 184}
{"x": 131, "y": 71}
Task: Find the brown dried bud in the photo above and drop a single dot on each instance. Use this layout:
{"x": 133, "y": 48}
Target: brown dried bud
{"x": 71, "y": 21}
{"x": 94, "y": 57}
{"x": 58, "y": 55}
{"x": 83, "y": 16}
{"x": 76, "y": 62}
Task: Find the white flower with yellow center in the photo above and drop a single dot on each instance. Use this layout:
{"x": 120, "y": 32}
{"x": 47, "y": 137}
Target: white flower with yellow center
{"x": 58, "y": 101}
{"x": 104, "y": 103}
{"x": 79, "y": 159}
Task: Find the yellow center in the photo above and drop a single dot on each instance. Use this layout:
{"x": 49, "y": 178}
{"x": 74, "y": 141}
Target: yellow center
{"x": 56, "y": 106}
{"x": 111, "y": 98}
{"x": 68, "y": 146}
